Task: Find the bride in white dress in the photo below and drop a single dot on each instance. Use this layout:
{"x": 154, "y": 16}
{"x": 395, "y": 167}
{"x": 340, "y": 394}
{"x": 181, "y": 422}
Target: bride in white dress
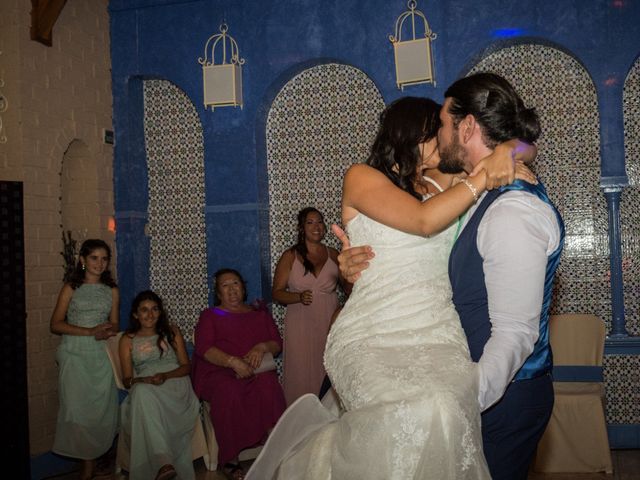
{"x": 397, "y": 355}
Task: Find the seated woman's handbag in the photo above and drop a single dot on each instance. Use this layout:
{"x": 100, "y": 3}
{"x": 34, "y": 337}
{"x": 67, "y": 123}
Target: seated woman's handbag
{"x": 268, "y": 363}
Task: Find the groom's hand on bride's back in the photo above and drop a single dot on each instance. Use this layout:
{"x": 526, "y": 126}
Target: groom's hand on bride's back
{"x": 352, "y": 260}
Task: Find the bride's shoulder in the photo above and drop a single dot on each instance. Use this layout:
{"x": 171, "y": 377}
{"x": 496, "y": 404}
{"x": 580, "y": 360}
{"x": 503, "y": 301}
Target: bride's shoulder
{"x": 360, "y": 172}
{"x": 359, "y": 169}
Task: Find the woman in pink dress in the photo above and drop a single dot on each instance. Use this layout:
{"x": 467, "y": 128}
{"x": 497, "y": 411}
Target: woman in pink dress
{"x": 231, "y": 339}
{"x": 305, "y": 281}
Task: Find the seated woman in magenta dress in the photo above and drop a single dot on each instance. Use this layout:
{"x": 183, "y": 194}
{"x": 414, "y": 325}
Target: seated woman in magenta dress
{"x": 230, "y": 341}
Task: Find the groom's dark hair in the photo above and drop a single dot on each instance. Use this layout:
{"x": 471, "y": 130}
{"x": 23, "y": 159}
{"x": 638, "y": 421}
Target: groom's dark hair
{"x": 496, "y": 106}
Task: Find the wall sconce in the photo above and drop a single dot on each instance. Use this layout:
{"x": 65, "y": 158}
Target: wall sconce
{"x": 413, "y": 58}
{"x": 222, "y": 82}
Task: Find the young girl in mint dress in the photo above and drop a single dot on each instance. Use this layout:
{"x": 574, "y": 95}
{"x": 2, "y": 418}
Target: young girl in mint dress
{"x": 85, "y": 315}
{"x": 160, "y": 412}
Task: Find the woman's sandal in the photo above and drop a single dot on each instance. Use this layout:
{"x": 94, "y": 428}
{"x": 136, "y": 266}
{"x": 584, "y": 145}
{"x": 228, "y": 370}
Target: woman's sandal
{"x": 233, "y": 471}
{"x": 166, "y": 472}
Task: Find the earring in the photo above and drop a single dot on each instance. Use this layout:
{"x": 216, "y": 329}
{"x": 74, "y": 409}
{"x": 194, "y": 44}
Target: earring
{"x": 84, "y": 267}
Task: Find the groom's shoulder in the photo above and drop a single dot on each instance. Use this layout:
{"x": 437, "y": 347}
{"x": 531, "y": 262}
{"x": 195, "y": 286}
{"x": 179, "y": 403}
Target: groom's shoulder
{"x": 525, "y": 196}
{"x": 523, "y": 205}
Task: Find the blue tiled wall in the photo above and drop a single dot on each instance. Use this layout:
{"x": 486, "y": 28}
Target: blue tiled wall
{"x": 164, "y": 38}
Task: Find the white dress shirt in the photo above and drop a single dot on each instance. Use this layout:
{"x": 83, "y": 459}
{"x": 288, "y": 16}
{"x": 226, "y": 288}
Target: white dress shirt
{"x": 515, "y": 237}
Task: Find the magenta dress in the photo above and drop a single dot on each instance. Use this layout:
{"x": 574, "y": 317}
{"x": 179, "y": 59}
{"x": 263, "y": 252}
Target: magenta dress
{"x": 242, "y": 410}
{"x": 306, "y": 328}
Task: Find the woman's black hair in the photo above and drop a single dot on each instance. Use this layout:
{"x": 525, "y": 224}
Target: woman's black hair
{"x": 163, "y": 328}
{"x": 216, "y": 276}
{"x": 404, "y": 124}
{"x": 301, "y": 245}
{"x": 89, "y": 246}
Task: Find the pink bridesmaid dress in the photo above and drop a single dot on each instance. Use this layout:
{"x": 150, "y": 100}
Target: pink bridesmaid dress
{"x": 306, "y": 328}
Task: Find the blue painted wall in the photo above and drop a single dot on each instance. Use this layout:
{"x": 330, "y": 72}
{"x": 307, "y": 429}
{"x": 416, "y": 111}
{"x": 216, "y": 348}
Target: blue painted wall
{"x": 278, "y": 38}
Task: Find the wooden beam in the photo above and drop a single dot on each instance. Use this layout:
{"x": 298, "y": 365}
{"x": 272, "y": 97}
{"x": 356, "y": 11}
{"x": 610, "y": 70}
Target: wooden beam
{"x": 44, "y": 14}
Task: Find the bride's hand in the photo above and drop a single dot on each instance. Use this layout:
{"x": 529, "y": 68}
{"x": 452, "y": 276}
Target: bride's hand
{"x": 499, "y": 166}
{"x": 524, "y": 173}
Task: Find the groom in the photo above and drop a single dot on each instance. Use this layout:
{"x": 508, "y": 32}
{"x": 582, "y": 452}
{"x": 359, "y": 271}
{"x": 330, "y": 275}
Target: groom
{"x": 501, "y": 269}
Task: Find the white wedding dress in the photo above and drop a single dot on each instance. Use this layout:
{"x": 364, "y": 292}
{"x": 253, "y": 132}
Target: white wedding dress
{"x": 398, "y": 359}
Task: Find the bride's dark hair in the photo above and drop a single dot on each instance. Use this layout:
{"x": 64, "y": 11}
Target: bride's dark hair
{"x": 404, "y": 124}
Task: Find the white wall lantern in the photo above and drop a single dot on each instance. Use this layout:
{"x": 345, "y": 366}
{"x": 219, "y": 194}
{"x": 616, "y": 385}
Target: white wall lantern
{"x": 222, "y": 81}
{"x": 413, "y": 58}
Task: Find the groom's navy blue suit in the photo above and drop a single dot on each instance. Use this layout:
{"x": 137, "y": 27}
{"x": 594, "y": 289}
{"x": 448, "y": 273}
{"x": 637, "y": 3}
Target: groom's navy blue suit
{"x": 512, "y": 427}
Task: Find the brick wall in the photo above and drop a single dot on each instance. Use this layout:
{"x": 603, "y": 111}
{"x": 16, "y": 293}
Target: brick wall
{"x": 59, "y": 105}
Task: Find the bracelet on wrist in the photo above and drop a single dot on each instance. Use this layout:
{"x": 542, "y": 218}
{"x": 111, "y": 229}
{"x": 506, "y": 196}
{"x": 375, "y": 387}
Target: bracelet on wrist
{"x": 472, "y": 189}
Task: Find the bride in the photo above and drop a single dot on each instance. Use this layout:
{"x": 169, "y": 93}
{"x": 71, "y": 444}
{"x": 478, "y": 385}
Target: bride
{"x": 396, "y": 355}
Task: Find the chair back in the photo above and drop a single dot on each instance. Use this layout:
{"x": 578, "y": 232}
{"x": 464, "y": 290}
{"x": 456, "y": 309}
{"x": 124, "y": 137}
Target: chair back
{"x": 577, "y": 339}
{"x": 114, "y": 358}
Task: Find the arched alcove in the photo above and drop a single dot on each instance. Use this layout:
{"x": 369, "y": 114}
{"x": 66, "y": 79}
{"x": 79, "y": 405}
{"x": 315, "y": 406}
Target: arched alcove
{"x": 79, "y": 204}
{"x": 626, "y": 408}
{"x": 175, "y": 171}
{"x": 322, "y": 121}
{"x": 630, "y": 205}
{"x": 563, "y": 93}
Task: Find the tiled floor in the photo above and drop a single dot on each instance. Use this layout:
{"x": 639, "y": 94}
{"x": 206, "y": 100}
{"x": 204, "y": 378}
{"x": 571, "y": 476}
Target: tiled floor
{"x": 626, "y": 464}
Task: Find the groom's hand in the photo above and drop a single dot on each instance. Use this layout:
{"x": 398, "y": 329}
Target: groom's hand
{"x": 352, "y": 260}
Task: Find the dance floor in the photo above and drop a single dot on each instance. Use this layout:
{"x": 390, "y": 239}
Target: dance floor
{"x": 626, "y": 464}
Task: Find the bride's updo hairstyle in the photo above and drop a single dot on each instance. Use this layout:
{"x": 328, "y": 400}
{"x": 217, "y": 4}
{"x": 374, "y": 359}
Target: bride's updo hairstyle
{"x": 404, "y": 124}
{"x": 496, "y": 106}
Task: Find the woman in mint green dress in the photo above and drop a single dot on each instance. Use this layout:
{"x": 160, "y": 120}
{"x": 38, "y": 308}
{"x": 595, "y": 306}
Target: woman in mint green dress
{"x": 160, "y": 413}
{"x": 86, "y": 314}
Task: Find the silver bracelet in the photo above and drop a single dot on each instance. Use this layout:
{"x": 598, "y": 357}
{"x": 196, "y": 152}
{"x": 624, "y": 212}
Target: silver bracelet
{"x": 474, "y": 190}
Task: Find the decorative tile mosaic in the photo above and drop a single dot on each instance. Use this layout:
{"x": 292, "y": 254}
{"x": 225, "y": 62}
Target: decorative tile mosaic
{"x": 622, "y": 387}
{"x": 622, "y": 372}
{"x": 569, "y": 165}
{"x": 175, "y": 162}
{"x": 630, "y": 204}
{"x": 321, "y": 122}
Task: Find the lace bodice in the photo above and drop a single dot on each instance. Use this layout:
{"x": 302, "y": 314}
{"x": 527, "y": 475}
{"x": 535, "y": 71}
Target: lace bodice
{"x": 90, "y": 305}
{"x": 407, "y": 274}
{"x": 411, "y": 256}
{"x": 146, "y": 356}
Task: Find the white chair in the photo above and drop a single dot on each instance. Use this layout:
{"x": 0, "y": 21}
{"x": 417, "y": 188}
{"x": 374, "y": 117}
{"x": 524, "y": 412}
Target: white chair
{"x": 199, "y": 444}
{"x": 576, "y": 437}
{"x": 209, "y": 435}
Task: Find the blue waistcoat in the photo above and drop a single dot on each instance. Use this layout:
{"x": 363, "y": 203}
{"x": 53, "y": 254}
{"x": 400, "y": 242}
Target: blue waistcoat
{"x": 470, "y": 294}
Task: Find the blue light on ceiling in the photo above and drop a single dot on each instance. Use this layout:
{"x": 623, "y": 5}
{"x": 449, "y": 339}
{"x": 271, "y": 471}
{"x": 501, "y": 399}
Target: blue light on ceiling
{"x": 507, "y": 32}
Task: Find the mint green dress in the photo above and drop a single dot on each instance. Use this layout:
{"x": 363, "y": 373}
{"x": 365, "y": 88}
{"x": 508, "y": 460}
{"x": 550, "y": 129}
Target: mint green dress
{"x": 88, "y": 414}
{"x": 159, "y": 420}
